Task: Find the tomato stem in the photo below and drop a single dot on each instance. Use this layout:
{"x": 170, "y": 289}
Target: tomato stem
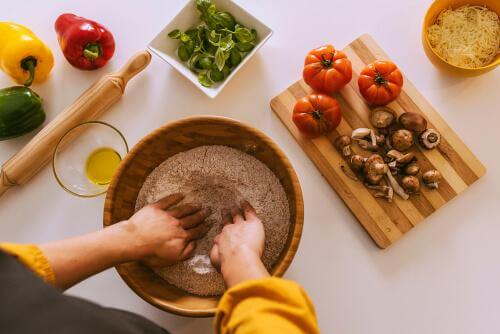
{"x": 379, "y": 79}
{"x": 317, "y": 114}
{"x": 327, "y": 63}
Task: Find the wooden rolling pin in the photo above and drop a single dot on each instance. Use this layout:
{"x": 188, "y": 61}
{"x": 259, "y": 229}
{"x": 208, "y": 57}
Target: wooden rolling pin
{"x": 89, "y": 106}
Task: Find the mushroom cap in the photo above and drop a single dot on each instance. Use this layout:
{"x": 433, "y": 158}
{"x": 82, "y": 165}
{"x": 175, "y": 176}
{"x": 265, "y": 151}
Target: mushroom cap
{"x": 357, "y": 162}
{"x": 432, "y": 176}
{"x": 382, "y": 117}
{"x": 410, "y": 183}
{"x": 413, "y": 122}
{"x": 412, "y": 169}
{"x": 374, "y": 169}
{"x": 430, "y": 139}
{"x": 342, "y": 141}
{"x": 402, "y": 140}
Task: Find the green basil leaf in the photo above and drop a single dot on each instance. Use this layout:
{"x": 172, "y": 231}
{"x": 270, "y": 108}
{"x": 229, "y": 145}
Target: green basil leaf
{"x": 193, "y": 60}
{"x": 211, "y": 10}
{"x": 185, "y": 38}
{"x": 204, "y": 79}
{"x": 224, "y": 20}
{"x": 235, "y": 57}
{"x": 254, "y": 34}
{"x": 204, "y": 63}
{"x": 175, "y": 34}
{"x": 226, "y": 43}
{"x": 220, "y": 58}
{"x": 183, "y": 53}
{"x": 244, "y": 35}
{"x": 245, "y": 47}
{"x": 214, "y": 38}
{"x": 203, "y": 5}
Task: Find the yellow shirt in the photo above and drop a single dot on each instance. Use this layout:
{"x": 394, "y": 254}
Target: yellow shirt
{"x": 271, "y": 305}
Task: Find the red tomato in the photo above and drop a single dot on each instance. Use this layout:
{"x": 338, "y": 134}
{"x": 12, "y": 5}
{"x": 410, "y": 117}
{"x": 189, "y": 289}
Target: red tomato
{"x": 327, "y": 70}
{"x": 380, "y": 82}
{"x": 316, "y": 114}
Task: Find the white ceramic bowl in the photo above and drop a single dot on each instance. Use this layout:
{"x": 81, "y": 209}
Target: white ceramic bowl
{"x": 166, "y": 48}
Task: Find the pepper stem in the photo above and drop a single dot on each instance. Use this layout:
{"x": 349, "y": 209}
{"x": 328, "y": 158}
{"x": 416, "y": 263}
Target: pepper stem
{"x": 29, "y": 64}
{"x": 92, "y": 51}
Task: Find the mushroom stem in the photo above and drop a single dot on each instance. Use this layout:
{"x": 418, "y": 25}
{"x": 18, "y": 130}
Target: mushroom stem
{"x": 395, "y": 185}
{"x": 348, "y": 173}
{"x": 373, "y": 137}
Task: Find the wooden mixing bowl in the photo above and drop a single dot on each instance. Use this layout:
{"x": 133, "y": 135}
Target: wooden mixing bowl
{"x": 163, "y": 143}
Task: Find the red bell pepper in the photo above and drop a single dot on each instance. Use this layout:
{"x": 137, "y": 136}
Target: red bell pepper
{"x": 86, "y": 44}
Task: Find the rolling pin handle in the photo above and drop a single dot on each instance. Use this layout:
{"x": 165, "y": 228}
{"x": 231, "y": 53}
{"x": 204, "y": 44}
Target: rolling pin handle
{"x": 136, "y": 64}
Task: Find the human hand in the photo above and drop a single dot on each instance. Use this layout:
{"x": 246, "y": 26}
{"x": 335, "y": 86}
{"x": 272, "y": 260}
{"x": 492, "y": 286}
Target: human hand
{"x": 163, "y": 234}
{"x": 238, "y": 248}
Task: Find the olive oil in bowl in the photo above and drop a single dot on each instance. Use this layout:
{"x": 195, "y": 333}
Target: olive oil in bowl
{"x": 101, "y": 165}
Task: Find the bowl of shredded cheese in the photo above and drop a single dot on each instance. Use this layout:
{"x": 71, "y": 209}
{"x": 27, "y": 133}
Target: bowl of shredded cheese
{"x": 463, "y": 35}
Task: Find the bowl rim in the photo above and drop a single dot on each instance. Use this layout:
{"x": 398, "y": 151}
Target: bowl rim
{"x": 54, "y": 154}
{"x": 428, "y": 44}
{"x": 278, "y": 270}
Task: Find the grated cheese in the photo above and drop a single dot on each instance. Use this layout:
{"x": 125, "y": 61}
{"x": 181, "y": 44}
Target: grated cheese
{"x": 468, "y": 36}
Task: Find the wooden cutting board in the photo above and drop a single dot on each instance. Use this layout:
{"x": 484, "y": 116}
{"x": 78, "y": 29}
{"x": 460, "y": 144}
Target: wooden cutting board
{"x": 385, "y": 222}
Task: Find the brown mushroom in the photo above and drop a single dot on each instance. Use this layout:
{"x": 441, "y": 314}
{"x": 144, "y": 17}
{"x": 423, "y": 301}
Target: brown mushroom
{"x": 412, "y": 169}
{"x": 374, "y": 169}
{"x": 360, "y": 133}
{"x": 430, "y": 139}
{"x": 367, "y": 145}
{"x": 401, "y": 140}
{"x": 413, "y": 122}
{"x": 411, "y": 184}
{"x": 342, "y": 143}
{"x": 382, "y": 117}
{"x": 380, "y": 138}
{"x": 431, "y": 178}
{"x": 357, "y": 162}
{"x": 401, "y": 158}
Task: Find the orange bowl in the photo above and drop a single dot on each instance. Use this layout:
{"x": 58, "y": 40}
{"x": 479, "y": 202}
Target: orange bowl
{"x": 430, "y": 17}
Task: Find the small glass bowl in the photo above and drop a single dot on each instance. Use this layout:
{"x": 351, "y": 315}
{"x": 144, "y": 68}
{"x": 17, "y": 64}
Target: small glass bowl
{"x": 74, "y": 148}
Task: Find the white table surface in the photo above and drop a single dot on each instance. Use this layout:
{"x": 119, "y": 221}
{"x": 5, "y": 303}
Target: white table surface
{"x": 443, "y": 277}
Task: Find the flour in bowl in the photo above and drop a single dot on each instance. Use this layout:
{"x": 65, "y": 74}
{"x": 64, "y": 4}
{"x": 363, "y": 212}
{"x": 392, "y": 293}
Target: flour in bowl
{"x": 218, "y": 177}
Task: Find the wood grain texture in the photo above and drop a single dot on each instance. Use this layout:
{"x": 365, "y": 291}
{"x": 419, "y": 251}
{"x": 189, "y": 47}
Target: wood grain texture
{"x": 167, "y": 141}
{"x": 385, "y": 222}
{"x": 92, "y": 104}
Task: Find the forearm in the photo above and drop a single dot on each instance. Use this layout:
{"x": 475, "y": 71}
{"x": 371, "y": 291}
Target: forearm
{"x": 75, "y": 259}
{"x": 242, "y": 266}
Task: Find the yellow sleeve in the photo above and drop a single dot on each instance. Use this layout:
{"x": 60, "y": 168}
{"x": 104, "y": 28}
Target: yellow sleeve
{"x": 33, "y": 258}
{"x": 270, "y": 305}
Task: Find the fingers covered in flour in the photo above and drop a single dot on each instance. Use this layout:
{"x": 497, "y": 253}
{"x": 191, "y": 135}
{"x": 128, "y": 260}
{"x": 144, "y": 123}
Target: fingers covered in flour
{"x": 248, "y": 210}
{"x": 188, "y": 250}
{"x": 168, "y": 201}
{"x": 236, "y": 214}
{"x": 196, "y": 218}
{"x": 197, "y": 232}
{"x": 182, "y": 211}
{"x": 226, "y": 217}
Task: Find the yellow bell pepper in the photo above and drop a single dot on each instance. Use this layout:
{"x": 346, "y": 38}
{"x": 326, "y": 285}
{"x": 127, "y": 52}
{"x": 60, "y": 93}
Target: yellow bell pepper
{"x": 23, "y": 55}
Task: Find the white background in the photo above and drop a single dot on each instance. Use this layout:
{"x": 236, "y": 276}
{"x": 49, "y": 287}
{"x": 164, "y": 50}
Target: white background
{"x": 443, "y": 277}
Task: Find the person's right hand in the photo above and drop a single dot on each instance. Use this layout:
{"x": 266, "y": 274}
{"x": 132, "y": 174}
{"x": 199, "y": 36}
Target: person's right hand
{"x": 162, "y": 234}
{"x": 238, "y": 248}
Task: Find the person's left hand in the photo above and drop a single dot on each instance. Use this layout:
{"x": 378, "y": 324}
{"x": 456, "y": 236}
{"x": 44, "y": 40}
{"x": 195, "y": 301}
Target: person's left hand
{"x": 164, "y": 234}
